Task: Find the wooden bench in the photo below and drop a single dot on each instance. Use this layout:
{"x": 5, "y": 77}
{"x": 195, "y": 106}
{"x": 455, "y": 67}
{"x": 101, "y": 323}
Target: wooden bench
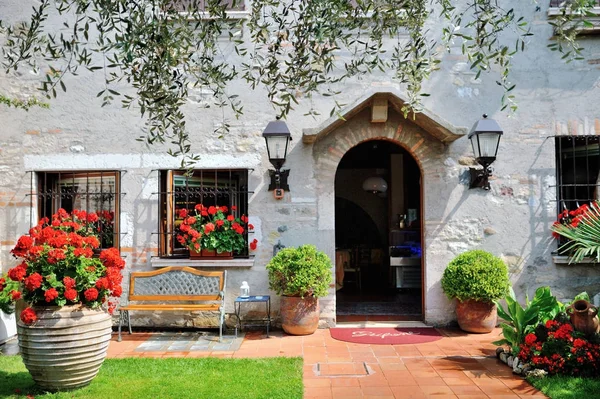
{"x": 175, "y": 288}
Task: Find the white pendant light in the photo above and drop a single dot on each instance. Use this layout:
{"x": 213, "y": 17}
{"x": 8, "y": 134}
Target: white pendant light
{"x": 375, "y": 184}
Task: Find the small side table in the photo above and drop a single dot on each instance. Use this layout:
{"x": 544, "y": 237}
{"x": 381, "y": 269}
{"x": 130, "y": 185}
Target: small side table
{"x": 237, "y": 305}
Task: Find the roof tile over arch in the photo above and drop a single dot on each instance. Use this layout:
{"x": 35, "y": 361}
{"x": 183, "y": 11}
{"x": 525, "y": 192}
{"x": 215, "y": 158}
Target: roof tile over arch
{"x": 431, "y": 123}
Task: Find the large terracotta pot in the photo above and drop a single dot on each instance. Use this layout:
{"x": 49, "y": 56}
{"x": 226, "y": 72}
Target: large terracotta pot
{"x": 584, "y": 316}
{"x": 66, "y": 346}
{"x": 475, "y": 316}
{"x": 299, "y": 316}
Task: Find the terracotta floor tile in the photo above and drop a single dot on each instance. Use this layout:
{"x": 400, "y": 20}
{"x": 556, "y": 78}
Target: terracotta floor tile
{"x": 377, "y": 391}
{"x": 451, "y": 373}
{"x": 466, "y": 390}
{"x": 363, "y": 357}
{"x": 341, "y": 369}
{"x": 424, "y": 374}
{"x": 318, "y": 392}
{"x": 344, "y": 382}
{"x": 345, "y": 392}
{"x": 317, "y": 382}
{"x": 458, "y": 381}
{"x": 513, "y": 396}
{"x": 430, "y": 381}
{"x": 376, "y": 380}
{"x": 392, "y": 367}
{"x": 473, "y": 397}
{"x": 436, "y": 390}
{"x": 408, "y": 392}
{"x": 495, "y": 390}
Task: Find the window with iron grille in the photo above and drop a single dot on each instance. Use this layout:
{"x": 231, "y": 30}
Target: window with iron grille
{"x": 207, "y": 187}
{"x": 577, "y": 166}
{"x": 91, "y": 191}
{"x": 561, "y": 3}
{"x": 202, "y": 5}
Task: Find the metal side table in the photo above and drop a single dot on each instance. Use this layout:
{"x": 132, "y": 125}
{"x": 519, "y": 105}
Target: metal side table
{"x": 237, "y": 304}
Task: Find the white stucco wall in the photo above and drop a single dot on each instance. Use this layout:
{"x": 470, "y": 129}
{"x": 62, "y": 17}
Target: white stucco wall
{"x": 512, "y": 220}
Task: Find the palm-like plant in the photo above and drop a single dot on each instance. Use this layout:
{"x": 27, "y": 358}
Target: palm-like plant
{"x": 583, "y": 233}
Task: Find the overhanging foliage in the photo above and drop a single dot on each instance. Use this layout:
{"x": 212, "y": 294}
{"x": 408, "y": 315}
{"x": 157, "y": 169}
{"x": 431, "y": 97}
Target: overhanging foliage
{"x": 159, "y": 49}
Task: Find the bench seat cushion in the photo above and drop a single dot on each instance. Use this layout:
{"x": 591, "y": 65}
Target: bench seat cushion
{"x": 173, "y": 306}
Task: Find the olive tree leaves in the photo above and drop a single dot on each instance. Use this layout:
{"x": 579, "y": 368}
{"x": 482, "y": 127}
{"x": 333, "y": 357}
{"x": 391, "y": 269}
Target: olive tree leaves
{"x": 151, "y": 53}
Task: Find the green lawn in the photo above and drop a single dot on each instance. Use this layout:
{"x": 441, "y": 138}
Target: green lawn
{"x": 139, "y": 378}
{"x": 559, "y": 387}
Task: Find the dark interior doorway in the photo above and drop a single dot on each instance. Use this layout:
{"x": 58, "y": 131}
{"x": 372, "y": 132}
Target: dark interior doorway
{"x": 378, "y": 234}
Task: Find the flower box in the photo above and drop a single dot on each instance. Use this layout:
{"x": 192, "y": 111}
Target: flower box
{"x": 210, "y": 254}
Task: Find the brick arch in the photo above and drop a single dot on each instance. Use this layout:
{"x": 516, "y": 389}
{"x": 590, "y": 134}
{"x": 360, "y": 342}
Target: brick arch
{"x": 328, "y": 151}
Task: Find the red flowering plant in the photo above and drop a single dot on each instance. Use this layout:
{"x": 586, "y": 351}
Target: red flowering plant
{"x": 58, "y": 266}
{"x": 214, "y": 228}
{"x": 581, "y": 229}
{"x": 557, "y": 348}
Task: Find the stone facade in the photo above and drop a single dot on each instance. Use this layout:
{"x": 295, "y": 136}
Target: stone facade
{"x": 512, "y": 220}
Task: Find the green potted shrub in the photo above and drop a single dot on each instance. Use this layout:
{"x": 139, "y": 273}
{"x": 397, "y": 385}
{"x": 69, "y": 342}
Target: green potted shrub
{"x": 300, "y": 275}
{"x": 476, "y": 279}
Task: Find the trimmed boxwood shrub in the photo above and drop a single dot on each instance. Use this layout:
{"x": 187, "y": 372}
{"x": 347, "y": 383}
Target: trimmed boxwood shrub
{"x": 302, "y": 271}
{"x": 477, "y": 275}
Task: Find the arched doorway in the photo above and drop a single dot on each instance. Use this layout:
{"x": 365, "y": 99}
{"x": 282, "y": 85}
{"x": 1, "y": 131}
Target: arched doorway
{"x": 378, "y": 235}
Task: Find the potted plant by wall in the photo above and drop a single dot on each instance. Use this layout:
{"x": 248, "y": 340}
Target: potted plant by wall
{"x": 65, "y": 329}
{"x": 213, "y": 233}
{"x": 300, "y": 275}
{"x": 476, "y": 279}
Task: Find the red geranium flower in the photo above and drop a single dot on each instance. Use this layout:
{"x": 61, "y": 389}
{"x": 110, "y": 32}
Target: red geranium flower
{"x": 50, "y": 294}
{"x": 15, "y": 295}
{"x": 23, "y": 245}
{"x": 91, "y": 294}
{"x": 18, "y": 273}
{"x": 28, "y": 316}
{"x": 71, "y": 294}
{"x": 33, "y": 282}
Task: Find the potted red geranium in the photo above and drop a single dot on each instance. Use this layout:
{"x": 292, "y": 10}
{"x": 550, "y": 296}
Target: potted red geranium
{"x": 65, "y": 329}
{"x": 213, "y": 232}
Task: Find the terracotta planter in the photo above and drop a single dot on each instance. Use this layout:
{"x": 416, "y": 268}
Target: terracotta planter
{"x": 66, "y": 346}
{"x": 584, "y": 316}
{"x": 475, "y": 316}
{"x": 299, "y": 316}
{"x": 210, "y": 254}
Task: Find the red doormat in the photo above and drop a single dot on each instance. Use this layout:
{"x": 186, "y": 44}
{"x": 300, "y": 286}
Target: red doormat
{"x": 386, "y": 336}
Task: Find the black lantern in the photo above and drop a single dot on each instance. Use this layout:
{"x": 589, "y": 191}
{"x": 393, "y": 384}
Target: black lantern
{"x": 277, "y": 136}
{"x": 485, "y": 139}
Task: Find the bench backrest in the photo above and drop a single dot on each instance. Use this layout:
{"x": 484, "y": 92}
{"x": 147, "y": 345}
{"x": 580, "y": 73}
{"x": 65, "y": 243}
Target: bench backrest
{"x": 176, "y": 284}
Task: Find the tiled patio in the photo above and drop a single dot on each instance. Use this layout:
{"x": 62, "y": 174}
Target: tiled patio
{"x": 459, "y": 365}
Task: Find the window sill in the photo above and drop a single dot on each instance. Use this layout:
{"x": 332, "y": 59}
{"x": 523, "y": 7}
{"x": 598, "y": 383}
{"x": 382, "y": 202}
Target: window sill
{"x": 564, "y": 260}
{"x": 226, "y": 263}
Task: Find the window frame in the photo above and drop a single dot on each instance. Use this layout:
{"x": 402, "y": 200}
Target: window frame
{"x": 167, "y": 229}
{"x": 41, "y": 191}
{"x": 565, "y": 145}
{"x": 555, "y": 11}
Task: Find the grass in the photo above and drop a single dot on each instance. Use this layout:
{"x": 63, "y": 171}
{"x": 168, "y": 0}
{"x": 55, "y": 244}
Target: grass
{"x": 139, "y": 378}
{"x": 562, "y": 387}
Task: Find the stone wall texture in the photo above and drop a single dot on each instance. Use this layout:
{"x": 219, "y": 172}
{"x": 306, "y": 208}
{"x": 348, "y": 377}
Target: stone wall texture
{"x": 512, "y": 220}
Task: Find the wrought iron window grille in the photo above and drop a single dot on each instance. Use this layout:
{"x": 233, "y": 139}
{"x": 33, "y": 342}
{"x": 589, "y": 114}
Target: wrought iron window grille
{"x": 91, "y": 191}
{"x": 177, "y": 190}
{"x": 577, "y": 167}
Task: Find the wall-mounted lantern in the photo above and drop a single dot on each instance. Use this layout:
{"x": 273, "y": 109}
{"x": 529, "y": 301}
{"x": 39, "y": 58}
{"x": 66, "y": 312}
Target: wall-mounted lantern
{"x": 485, "y": 139}
{"x": 277, "y": 136}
